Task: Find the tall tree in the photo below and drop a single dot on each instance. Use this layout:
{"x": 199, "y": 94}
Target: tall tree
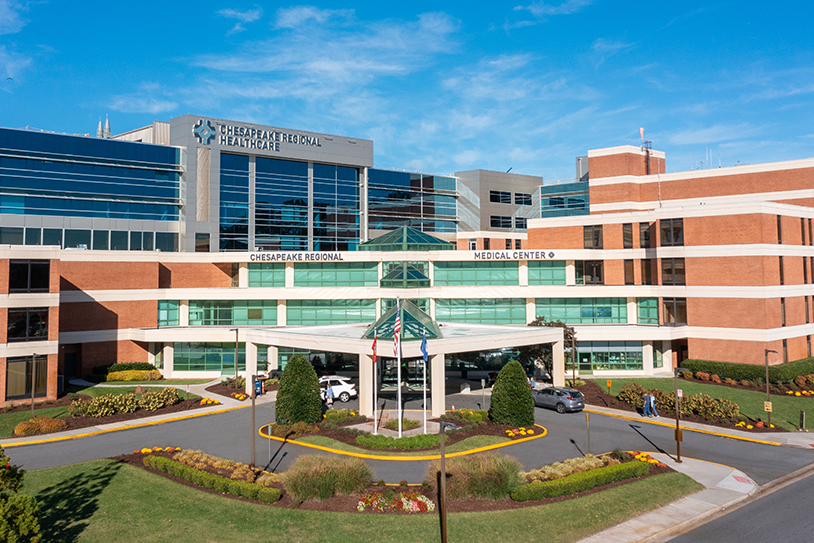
{"x": 541, "y": 356}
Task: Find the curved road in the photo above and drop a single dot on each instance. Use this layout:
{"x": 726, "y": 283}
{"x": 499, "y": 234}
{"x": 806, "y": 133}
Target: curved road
{"x": 228, "y": 435}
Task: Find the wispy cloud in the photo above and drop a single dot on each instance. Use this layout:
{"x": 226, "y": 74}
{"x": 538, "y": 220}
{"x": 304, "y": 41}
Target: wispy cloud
{"x": 11, "y": 21}
{"x": 601, "y": 45}
{"x": 541, "y": 9}
{"x": 714, "y": 134}
{"x": 297, "y": 16}
{"x": 242, "y": 16}
{"x": 146, "y": 100}
{"x": 12, "y": 63}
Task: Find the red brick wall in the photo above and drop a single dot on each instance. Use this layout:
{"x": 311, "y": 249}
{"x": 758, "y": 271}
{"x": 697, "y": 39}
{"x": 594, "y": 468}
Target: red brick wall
{"x": 200, "y": 275}
{"x": 109, "y": 275}
{"x": 82, "y": 316}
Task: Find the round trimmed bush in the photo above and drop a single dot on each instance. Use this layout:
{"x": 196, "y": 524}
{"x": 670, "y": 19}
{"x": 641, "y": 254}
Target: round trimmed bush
{"x": 298, "y": 394}
{"x": 512, "y": 402}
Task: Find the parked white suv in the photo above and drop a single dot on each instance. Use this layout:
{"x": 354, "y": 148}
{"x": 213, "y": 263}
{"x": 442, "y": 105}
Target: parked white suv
{"x": 344, "y": 389}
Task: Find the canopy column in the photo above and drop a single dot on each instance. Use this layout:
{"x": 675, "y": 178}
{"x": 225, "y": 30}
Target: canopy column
{"x": 366, "y": 385}
{"x": 251, "y": 365}
{"x": 558, "y": 351}
{"x": 438, "y": 388}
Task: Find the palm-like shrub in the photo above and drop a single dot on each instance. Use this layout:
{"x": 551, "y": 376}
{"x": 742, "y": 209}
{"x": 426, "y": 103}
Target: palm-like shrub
{"x": 512, "y": 402}
{"x": 298, "y": 395}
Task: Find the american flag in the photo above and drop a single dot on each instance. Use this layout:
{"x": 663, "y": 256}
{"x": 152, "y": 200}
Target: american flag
{"x": 374, "y": 345}
{"x": 397, "y": 334}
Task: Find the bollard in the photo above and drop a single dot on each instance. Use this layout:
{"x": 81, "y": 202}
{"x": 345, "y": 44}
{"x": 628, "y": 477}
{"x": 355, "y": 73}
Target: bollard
{"x": 803, "y": 421}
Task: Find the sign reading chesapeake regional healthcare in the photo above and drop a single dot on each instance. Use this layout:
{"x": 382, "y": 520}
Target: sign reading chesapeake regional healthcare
{"x": 235, "y": 135}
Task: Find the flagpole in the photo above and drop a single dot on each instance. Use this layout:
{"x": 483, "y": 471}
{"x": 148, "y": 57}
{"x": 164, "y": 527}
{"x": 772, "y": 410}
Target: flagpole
{"x": 398, "y": 361}
{"x": 425, "y": 380}
{"x": 375, "y": 385}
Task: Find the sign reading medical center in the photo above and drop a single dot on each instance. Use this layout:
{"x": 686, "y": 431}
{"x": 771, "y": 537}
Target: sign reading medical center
{"x": 246, "y": 137}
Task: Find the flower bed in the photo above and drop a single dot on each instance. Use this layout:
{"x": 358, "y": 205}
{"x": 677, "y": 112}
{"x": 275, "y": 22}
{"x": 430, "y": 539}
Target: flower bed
{"x": 410, "y": 501}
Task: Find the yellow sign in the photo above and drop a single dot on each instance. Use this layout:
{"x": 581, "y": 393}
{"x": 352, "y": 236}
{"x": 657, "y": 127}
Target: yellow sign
{"x": 767, "y": 407}
{"x": 609, "y": 383}
{"x": 679, "y": 434}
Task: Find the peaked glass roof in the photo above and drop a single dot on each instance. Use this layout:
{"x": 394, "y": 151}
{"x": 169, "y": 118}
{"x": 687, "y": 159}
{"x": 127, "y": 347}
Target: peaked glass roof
{"x": 405, "y": 276}
{"x": 413, "y": 323}
{"x": 405, "y": 239}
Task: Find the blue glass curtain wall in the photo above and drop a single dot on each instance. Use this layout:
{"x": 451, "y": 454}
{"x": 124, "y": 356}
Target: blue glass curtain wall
{"x": 234, "y": 202}
{"x": 336, "y": 208}
{"x": 281, "y": 204}
{"x": 411, "y": 199}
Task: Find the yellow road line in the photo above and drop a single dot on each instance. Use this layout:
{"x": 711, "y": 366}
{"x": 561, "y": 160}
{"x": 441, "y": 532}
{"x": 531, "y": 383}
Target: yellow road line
{"x": 404, "y": 458}
{"x": 669, "y": 425}
{"x": 107, "y": 430}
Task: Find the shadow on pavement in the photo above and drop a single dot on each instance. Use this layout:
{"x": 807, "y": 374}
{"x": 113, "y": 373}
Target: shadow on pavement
{"x": 656, "y": 447}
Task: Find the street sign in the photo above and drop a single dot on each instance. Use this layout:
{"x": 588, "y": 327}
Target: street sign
{"x": 609, "y": 383}
{"x": 679, "y": 435}
{"x": 680, "y": 393}
{"x": 767, "y": 407}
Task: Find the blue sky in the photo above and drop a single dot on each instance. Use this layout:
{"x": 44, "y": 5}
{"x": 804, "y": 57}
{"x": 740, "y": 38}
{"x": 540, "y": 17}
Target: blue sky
{"x": 439, "y": 86}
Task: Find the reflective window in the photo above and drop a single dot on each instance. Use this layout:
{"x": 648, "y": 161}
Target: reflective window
{"x": 484, "y": 311}
{"x": 336, "y": 208}
{"x": 672, "y": 232}
{"x": 627, "y": 236}
{"x": 28, "y": 324}
{"x": 266, "y": 274}
{"x": 166, "y": 242}
{"x": 647, "y": 271}
{"x": 648, "y": 310}
{"x": 10, "y": 235}
{"x": 18, "y": 378}
{"x": 590, "y": 272}
{"x": 521, "y": 223}
{"x": 314, "y": 312}
{"x": 522, "y": 199}
{"x": 201, "y": 243}
{"x": 77, "y": 238}
{"x": 499, "y": 221}
{"x": 675, "y": 311}
{"x": 592, "y": 236}
{"x": 583, "y": 310}
{"x": 168, "y": 313}
{"x": 336, "y": 274}
{"x": 29, "y": 276}
{"x": 281, "y": 204}
{"x": 33, "y": 236}
{"x": 234, "y": 202}
{"x": 500, "y": 197}
{"x": 644, "y": 235}
{"x": 52, "y": 236}
{"x": 672, "y": 271}
{"x": 425, "y": 202}
{"x": 476, "y": 273}
{"x": 118, "y": 241}
{"x": 232, "y": 312}
{"x": 609, "y": 355}
{"x": 101, "y": 240}
{"x": 546, "y": 272}
{"x": 212, "y": 357}
{"x": 629, "y": 272}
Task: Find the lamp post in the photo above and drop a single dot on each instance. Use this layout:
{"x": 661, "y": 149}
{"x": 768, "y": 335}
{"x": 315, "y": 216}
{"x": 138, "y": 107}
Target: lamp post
{"x": 678, "y": 414}
{"x": 254, "y": 395}
{"x": 236, "y": 331}
{"x": 33, "y": 380}
{"x": 443, "y": 485}
{"x": 766, "y": 359}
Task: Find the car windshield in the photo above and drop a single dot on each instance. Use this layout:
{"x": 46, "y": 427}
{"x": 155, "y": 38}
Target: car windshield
{"x": 576, "y": 394}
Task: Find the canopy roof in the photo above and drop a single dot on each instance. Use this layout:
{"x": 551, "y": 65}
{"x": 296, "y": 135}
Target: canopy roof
{"x": 405, "y": 239}
{"x": 405, "y": 276}
{"x": 413, "y": 324}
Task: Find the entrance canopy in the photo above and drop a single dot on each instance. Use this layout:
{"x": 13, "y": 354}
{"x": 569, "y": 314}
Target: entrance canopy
{"x": 413, "y": 324}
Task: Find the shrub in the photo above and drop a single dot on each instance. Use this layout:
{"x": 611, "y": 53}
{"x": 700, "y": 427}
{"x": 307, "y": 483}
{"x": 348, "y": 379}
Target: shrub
{"x": 575, "y": 383}
{"x": 579, "y": 482}
{"x": 686, "y": 374}
{"x": 382, "y": 442}
{"x": 746, "y": 383}
{"x": 126, "y": 403}
{"x": 512, "y": 402}
{"x": 131, "y": 366}
{"x": 715, "y": 378}
{"x": 19, "y": 514}
{"x": 810, "y": 379}
{"x": 39, "y": 425}
{"x": 702, "y": 376}
{"x": 781, "y": 373}
{"x": 335, "y": 417}
{"x": 214, "y": 482}
{"x": 156, "y": 399}
{"x": 570, "y": 467}
{"x": 315, "y": 476}
{"x": 491, "y": 476}
{"x": 632, "y": 393}
{"x": 294, "y": 430}
{"x": 298, "y": 395}
{"x": 801, "y": 381}
{"x": 406, "y": 424}
{"x": 134, "y": 375}
{"x": 729, "y": 381}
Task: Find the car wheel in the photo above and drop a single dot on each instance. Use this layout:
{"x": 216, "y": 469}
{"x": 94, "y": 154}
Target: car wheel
{"x": 560, "y": 408}
{"x": 344, "y": 397}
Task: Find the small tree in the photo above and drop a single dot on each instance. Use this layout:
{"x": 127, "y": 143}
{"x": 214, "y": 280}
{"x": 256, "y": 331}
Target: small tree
{"x": 541, "y": 356}
{"x": 512, "y": 402}
{"x": 298, "y": 394}
{"x": 19, "y": 514}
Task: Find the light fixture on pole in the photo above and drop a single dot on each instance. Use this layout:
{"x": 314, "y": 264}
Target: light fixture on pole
{"x": 768, "y": 404}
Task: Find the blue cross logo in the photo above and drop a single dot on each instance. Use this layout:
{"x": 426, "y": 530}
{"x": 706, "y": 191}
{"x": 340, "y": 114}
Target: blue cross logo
{"x": 203, "y": 131}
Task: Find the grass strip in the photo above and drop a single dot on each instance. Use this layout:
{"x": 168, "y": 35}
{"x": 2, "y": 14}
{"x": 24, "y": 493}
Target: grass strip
{"x": 102, "y": 501}
{"x": 474, "y": 442}
{"x": 578, "y": 482}
{"x": 9, "y": 421}
{"x": 785, "y": 409}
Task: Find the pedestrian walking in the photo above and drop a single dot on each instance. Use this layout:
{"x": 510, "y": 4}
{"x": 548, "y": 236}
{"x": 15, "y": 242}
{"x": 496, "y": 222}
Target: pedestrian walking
{"x": 329, "y": 396}
{"x": 646, "y": 409}
{"x": 653, "y": 406}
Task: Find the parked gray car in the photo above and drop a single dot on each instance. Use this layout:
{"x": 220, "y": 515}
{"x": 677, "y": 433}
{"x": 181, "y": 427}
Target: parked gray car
{"x": 561, "y": 399}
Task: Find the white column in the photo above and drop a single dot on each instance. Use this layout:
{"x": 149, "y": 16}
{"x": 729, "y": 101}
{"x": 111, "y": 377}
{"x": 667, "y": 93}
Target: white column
{"x": 531, "y": 310}
{"x": 151, "y": 353}
{"x": 273, "y": 358}
{"x": 523, "y": 268}
{"x": 438, "y": 390}
{"x": 289, "y": 275}
{"x": 243, "y": 275}
{"x": 167, "y": 358}
{"x": 251, "y": 365}
{"x": 366, "y": 384}
{"x": 183, "y": 313}
{"x": 432, "y": 308}
{"x": 632, "y": 315}
{"x": 281, "y": 312}
{"x": 570, "y": 273}
{"x": 559, "y": 363}
{"x": 667, "y": 354}
{"x": 647, "y": 357}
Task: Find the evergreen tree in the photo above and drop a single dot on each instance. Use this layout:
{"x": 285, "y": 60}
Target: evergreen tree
{"x": 19, "y": 514}
{"x": 512, "y": 402}
{"x": 298, "y": 394}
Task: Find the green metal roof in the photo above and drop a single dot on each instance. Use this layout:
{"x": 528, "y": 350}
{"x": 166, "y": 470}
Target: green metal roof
{"x": 405, "y": 238}
{"x": 413, "y": 323}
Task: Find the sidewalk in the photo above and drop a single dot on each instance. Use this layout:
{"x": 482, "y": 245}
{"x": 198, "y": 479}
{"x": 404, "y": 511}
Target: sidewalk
{"x": 804, "y": 440}
{"x": 725, "y": 487}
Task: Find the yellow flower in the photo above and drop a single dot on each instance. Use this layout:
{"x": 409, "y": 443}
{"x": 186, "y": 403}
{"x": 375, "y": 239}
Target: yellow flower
{"x": 145, "y": 450}
{"x": 531, "y": 431}
{"x": 771, "y": 426}
{"x": 796, "y": 393}
{"x": 749, "y": 426}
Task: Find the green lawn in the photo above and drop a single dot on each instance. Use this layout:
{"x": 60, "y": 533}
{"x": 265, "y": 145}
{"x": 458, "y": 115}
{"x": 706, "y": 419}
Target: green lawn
{"x": 785, "y": 409}
{"x": 106, "y": 501}
{"x": 463, "y": 445}
{"x": 167, "y": 382}
{"x": 8, "y": 421}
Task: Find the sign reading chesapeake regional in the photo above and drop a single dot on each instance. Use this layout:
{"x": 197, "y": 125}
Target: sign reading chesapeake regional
{"x": 294, "y": 257}
{"x": 302, "y": 256}
{"x": 233, "y": 135}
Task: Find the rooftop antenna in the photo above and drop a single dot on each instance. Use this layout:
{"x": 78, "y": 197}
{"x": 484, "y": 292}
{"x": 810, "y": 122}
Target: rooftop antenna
{"x": 510, "y": 169}
{"x": 645, "y": 146}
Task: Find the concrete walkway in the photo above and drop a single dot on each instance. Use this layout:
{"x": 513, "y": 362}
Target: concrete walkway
{"x": 725, "y": 487}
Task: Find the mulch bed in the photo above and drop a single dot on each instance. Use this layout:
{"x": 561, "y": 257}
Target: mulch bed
{"x": 223, "y": 390}
{"x": 84, "y": 422}
{"x": 347, "y": 504}
{"x": 596, "y": 395}
{"x": 64, "y": 401}
{"x": 775, "y": 390}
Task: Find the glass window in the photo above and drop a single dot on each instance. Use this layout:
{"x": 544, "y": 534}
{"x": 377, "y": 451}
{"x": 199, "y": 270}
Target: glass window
{"x": 648, "y": 310}
{"x": 77, "y": 238}
{"x": 644, "y": 235}
{"x": 499, "y": 221}
{"x": 629, "y": 272}
{"x": 118, "y": 241}
{"x": 52, "y": 236}
{"x": 29, "y": 276}
{"x": 473, "y": 245}
{"x": 201, "y": 243}
{"x": 546, "y": 272}
{"x": 782, "y": 312}
{"x": 583, "y": 310}
{"x": 610, "y": 355}
{"x": 590, "y": 272}
{"x": 147, "y": 241}
{"x": 101, "y": 239}
{"x": 168, "y": 313}
{"x": 500, "y": 197}
{"x": 521, "y": 223}
{"x": 484, "y": 311}
{"x": 779, "y": 229}
{"x": 522, "y": 199}
{"x": 627, "y": 236}
{"x": 166, "y": 242}
{"x": 647, "y": 271}
{"x": 486, "y": 244}
{"x": 675, "y": 311}
{"x": 336, "y": 274}
{"x": 315, "y": 312}
{"x": 28, "y": 324}
{"x": 592, "y": 236}
{"x": 135, "y": 241}
{"x": 672, "y": 271}
{"x": 210, "y": 357}
{"x": 782, "y": 271}
{"x": 477, "y": 273}
{"x": 232, "y": 312}
{"x": 11, "y": 236}
{"x": 266, "y": 274}
{"x": 518, "y": 244}
{"x": 33, "y": 236}
{"x": 672, "y": 232}
{"x": 18, "y": 378}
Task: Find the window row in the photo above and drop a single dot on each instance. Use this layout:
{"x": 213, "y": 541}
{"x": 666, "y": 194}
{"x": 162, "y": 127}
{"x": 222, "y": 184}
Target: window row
{"x": 505, "y": 197}
{"x": 672, "y": 234}
{"x": 501, "y": 221}
{"x": 97, "y": 240}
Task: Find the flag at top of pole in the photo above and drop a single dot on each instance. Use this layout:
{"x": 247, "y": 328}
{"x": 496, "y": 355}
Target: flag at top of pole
{"x": 424, "y": 346}
{"x": 375, "y": 333}
{"x": 397, "y": 333}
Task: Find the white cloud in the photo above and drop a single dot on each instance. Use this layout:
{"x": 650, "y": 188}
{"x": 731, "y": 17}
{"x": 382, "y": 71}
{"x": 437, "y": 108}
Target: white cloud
{"x": 714, "y": 134}
{"x": 541, "y": 9}
{"x": 12, "y": 63}
{"x": 604, "y": 46}
{"x": 10, "y": 20}
{"x": 143, "y": 101}
{"x": 297, "y": 16}
{"x": 468, "y": 157}
{"x": 245, "y": 16}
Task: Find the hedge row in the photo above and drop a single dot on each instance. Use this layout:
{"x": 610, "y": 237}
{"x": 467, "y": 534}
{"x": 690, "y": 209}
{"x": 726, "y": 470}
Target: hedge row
{"x": 214, "y": 482}
{"x": 134, "y": 375}
{"x": 110, "y": 404}
{"x": 126, "y": 366}
{"x": 382, "y": 442}
{"x": 579, "y": 482}
{"x": 782, "y": 373}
